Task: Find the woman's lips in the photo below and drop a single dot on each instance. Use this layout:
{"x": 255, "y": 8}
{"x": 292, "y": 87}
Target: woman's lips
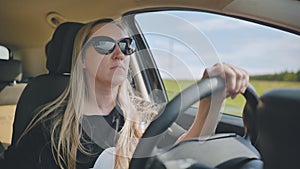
{"x": 118, "y": 67}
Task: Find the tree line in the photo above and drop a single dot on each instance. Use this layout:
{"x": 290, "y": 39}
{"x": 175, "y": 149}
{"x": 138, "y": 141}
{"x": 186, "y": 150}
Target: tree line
{"x": 283, "y": 76}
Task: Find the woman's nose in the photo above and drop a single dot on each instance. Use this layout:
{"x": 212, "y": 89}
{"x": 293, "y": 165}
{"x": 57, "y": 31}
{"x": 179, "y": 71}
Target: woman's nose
{"x": 118, "y": 54}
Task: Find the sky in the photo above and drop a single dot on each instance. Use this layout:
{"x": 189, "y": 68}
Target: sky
{"x": 256, "y": 48}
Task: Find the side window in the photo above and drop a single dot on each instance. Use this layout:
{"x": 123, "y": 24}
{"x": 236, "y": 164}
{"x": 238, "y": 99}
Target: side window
{"x": 4, "y": 53}
{"x": 192, "y": 41}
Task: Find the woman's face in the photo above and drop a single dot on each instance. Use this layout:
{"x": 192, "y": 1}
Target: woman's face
{"x": 107, "y": 69}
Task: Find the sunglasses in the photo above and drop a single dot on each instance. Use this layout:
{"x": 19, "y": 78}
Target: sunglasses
{"x": 106, "y": 45}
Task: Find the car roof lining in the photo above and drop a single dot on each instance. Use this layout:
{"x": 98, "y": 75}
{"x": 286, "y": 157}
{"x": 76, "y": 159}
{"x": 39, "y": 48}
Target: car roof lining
{"x": 35, "y": 19}
{"x": 277, "y": 12}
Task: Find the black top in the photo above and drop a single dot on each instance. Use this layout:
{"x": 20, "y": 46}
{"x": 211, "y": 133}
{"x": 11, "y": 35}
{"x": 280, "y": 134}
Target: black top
{"x": 34, "y": 149}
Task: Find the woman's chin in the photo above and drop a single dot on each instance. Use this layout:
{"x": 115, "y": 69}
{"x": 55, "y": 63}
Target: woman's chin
{"x": 118, "y": 80}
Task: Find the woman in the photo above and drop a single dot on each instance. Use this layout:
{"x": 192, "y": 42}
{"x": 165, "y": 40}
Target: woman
{"x": 99, "y": 109}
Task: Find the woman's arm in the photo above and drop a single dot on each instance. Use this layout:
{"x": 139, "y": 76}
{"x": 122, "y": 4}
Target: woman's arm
{"x": 236, "y": 80}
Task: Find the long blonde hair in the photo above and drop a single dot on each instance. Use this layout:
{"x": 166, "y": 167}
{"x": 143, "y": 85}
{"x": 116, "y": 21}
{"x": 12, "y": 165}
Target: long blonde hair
{"x": 71, "y": 101}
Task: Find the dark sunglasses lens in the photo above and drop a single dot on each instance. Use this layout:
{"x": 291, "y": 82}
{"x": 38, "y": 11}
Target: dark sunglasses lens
{"x": 104, "y": 45}
{"x": 127, "y": 46}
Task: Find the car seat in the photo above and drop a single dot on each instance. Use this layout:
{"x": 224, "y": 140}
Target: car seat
{"x": 278, "y": 117}
{"x": 11, "y": 75}
{"x": 45, "y": 88}
{"x": 11, "y": 71}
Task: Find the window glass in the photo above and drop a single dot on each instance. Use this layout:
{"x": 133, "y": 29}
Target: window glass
{"x": 4, "y": 53}
{"x": 191, "y": 41}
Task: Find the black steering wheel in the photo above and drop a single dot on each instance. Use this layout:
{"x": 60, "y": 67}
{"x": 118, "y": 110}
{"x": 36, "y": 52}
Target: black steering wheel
{"x": 179, "y": 104}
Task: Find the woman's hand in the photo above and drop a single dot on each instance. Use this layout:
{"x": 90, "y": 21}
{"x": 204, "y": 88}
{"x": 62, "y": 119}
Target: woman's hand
{"x": 236, "y": 78}
{"x": 207, "y": 117}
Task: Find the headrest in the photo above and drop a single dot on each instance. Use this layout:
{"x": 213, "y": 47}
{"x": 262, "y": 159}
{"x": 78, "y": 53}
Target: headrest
{"x": 10, "y": 70}
{"x": 278, "y": 127}
{"x": 59, "y": 49}
{"x": 279, "y": 112}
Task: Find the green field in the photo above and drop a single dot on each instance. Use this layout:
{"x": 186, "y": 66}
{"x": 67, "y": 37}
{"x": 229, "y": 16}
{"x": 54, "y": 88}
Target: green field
{"x": 235, "y": 106}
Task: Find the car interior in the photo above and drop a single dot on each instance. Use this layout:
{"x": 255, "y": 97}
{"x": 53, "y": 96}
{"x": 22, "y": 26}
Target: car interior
{"x": 38, "y": 43}
{"x": 55, "y": 80}
{"x": 10, "y": 90}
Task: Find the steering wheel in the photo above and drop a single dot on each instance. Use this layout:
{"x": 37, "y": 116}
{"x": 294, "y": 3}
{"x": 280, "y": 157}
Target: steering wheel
{"x": 179, "y": 104}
